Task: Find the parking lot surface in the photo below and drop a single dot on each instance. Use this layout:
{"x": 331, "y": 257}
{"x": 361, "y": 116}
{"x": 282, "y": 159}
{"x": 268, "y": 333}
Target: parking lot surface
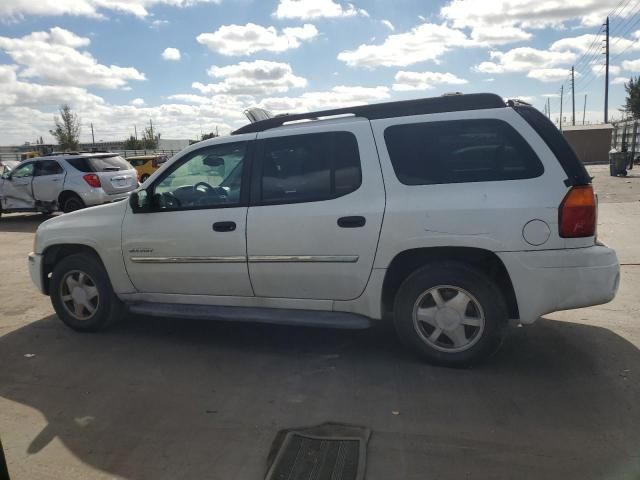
{"x": 175, "y": 399}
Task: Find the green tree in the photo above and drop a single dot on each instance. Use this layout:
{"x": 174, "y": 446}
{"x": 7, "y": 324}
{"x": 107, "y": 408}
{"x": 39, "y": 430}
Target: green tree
{"x": 132, "y": 143}
{"x": 632, "y": 102}
{"x": 67, "y": 130}
{"x": 150, "y": 138}
{"x": 207, "y": 136}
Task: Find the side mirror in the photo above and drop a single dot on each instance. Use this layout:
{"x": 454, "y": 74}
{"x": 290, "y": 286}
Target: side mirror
{"x": 139, "y": 201}
{"x": 6, "y": 175}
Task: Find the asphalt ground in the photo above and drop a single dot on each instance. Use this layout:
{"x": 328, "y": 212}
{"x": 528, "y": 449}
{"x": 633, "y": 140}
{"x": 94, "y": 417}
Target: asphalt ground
{"x": 174, "y": 399}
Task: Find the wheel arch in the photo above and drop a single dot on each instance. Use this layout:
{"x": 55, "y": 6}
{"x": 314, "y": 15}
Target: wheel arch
{"x": 408, "y": 261}
{"x": 53, "y": 254}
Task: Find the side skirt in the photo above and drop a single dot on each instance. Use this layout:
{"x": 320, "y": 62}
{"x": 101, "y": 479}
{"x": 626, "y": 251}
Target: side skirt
{"x": 278, "y": 316}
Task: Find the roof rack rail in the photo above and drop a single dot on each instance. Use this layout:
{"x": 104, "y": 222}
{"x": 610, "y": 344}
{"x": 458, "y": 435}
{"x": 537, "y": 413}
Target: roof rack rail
{"x": 403, "y": 108}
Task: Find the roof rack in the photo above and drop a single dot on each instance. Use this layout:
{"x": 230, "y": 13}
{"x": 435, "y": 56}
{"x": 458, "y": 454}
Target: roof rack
{"x": 448, "y": 103}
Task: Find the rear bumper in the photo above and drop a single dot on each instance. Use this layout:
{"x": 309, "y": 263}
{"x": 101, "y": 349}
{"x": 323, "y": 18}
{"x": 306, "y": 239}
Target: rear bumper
{"x": 552, "y": 280}
{"x": 97, "y": 196}
{"x": 35, "y": 270}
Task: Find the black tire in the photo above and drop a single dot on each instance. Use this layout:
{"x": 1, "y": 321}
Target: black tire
{"x": 144, "y": 177}
{"x": 484, "y": 291}
{"x": 72, "y": 203}
{"x": 108, "y": 308}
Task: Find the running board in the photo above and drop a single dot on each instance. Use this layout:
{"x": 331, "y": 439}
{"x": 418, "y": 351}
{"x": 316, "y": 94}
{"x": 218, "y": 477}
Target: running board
{"x": 278, "y": 316}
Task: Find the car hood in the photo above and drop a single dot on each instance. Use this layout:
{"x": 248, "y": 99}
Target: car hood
{"x": 87, "y": 226}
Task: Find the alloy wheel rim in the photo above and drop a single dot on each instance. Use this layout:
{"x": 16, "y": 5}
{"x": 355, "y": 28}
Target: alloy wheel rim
{"x": 448, "y": 318}
{"x": 79, "y": 295}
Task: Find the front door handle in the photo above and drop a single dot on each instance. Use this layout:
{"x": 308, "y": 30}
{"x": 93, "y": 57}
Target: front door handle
{"x": 224, "y": 226}
{"x": 352, "y": 222}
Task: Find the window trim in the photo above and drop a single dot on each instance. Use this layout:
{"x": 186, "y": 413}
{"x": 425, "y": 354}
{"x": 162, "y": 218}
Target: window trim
{"x": 244, "y": 182}
{"x": 256, "y": 172}
{"x": 478, "y": 120}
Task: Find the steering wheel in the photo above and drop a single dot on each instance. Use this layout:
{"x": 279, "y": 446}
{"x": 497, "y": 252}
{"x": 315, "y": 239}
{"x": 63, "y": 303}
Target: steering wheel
{"x": 170, "y": 200}
{"x": 219, "y": 192}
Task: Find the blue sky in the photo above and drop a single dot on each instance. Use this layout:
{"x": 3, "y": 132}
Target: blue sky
{"x": 109, "y": 59}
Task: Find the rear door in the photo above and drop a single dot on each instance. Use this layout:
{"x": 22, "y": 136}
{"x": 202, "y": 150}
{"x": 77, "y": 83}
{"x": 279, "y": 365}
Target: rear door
{"x": 16, "y": 189}
{"x": 316, "y": 211}
{"x": 48, "y": 181}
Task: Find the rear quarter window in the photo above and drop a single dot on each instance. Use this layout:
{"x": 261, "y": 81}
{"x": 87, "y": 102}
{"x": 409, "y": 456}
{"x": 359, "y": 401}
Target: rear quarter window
{"x": 460, "y": 151}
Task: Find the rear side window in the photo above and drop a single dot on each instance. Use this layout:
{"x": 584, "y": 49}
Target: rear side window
{"x": 48, "y": 167}
{"x": 460, "y": 151}
{"x": 310, "y": 167}
{"x": 99, "y": 164}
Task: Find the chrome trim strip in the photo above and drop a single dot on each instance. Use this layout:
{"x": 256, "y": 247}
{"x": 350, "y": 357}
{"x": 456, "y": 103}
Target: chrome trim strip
{"x": 303, "y": 258}
{"x": 238, "y": 259}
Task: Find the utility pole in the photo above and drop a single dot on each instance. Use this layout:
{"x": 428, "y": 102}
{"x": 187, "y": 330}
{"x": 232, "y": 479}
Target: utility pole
{"x": 606, "y": 73}
{"x": 561, "y": 100}
{"x": 93, "y": 138}
{"x": 151, "y": 125}
{"x": 135, "y": 131}
{"x": 584, "y": 109}
{"x": 573, "y": 97}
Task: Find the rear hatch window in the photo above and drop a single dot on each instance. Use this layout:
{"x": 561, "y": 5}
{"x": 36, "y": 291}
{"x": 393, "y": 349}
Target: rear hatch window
{"x": 113, "y": 163}
{"x": 576, "y": 172}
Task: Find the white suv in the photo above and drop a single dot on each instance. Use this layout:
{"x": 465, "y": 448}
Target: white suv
{"x": 450, "y": 215}
{"x": 66, "y": 182}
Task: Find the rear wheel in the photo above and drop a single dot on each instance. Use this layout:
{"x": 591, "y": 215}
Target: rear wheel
{"x": 71, "y": 203}
{"x": 81, "y": 294}
{"x": 450, "y": 314}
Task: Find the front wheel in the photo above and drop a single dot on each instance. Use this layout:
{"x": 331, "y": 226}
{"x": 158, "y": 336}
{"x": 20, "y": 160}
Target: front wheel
{"x": 81, "y": 294}
{"x": 450, "y": 314}
{"x": 144, "y": 177}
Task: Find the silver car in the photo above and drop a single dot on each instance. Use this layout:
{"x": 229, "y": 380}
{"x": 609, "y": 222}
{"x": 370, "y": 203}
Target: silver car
{"x": 66, "y": 182}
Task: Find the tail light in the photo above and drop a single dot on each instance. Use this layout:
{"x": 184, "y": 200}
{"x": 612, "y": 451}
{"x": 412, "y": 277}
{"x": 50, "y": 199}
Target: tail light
{"x": 93, "y": 180}
{"x": 577, "y": 213}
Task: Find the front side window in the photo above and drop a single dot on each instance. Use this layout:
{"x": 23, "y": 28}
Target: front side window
{"x": 460, "y": 151}
{"x": 23, "y": 171}
{"x": 208, "y": 177}
{"x": 310, "y": 167}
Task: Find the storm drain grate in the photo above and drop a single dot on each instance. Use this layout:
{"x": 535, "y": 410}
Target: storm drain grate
{"x": 327, "y": 452}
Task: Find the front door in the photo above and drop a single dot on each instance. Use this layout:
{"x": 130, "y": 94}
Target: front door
{"x": 193, "y": 241}
{"x": 16, "y": 189}
{"x": 316, "y": 212}
{"x": 48, "y": 181}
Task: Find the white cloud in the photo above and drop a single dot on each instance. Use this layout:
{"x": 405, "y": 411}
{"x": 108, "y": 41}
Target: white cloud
{"x": 159, "y": 23}
{"x": 137, "y": 102}
{"x": 18, "y": 9}
{"x": 54, "y": 58}
{"x": 388, "y": 24}
{"x": 550, "y": 74}
{"x": 619, "y": 81}
{"x": 14, "y": 92}
{"x": 499, "y": 36}
{"x": 339, "y": 96}
{"x": 172, "y": 54}
{"x": 527, "y": 13}
{"x": 312, "y": 9}
{"x": 631, "y": 65}
{"x": 424, "y": 42}
{"x": 525, "y": 59}
{"x": 408, "y": 81}
{"x": 583, "y": 43}
{"x": 252, "y": 78}
{"x": 251, "y": 38}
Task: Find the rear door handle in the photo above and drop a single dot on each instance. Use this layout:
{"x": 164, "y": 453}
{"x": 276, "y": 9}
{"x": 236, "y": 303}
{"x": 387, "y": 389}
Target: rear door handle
{"x": 224, "y": 226}
{"x": 352, "y": 222}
